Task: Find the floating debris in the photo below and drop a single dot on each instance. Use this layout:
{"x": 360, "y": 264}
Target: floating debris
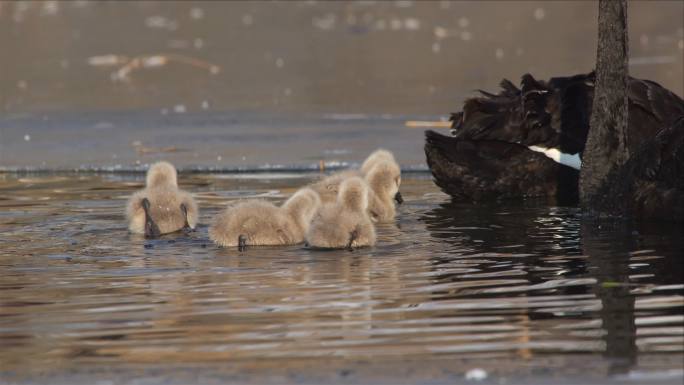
{"x": 154, "y": 61}
{"x": 326, "y": 22}
{"x": 428, "y": 124}
{"x": 476, "y": 374}
{"x": 646, "y": 60}
{"x": 107, "y": 60}
{"x": 49, "y": 8}
{"x": 612, "y": 284}
{"x": 412, "y": 24}
{"x": 142, "y": 150}
{"x": 440, "y": 32}
{"x": 443, "y": 33}
{"x": 196, "y": 13}
{"x": 337, "y": 151}
{"x": 539, "y": 14}
{"x": 161, "y": 22}
{"x": 129, "y": 65}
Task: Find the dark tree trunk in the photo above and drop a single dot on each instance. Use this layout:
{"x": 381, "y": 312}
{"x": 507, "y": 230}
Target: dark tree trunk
{"x": 606, "y": 147}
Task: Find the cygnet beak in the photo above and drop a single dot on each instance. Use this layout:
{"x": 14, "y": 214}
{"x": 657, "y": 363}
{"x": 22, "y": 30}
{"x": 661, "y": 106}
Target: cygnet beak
{"x": 186, "y": 227}
{"x": 398, "y": 198}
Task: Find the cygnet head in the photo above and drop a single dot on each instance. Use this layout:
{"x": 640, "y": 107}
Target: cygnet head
{"x": 379, "y": 155}
{"x": 162, "y": 174}
{"x": 353, "y": 195}
{"x": 302, "y": 206}
{"x": 385, "y": 178}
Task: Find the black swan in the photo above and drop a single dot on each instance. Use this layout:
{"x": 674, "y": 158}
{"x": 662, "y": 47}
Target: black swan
{"x": 484, "y": 170}
{"x": 617, "y": 181}
{"x": 635, "y": 147}
{"x": 500, "y": 139}
{"x": 650, "y": 184}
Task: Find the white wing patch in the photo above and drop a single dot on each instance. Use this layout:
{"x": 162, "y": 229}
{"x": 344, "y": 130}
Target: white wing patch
{"x": 570, "y": 160}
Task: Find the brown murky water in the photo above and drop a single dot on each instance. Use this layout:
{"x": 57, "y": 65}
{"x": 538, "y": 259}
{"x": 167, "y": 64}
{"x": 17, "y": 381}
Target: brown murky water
{"x": 399, "y": 57}
{"x": 526, "y": 292}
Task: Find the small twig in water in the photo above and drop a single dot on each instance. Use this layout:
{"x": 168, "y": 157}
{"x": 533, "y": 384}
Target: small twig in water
{"x": 427, "y": 124}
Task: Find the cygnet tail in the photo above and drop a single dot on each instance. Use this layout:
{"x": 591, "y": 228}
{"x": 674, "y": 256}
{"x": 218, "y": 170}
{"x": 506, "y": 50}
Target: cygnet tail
{"x": 242, "y": 242}
{"x": 353, "y": 236}
{"x": 151, "y": 228}
{"x": 186, "y": 227}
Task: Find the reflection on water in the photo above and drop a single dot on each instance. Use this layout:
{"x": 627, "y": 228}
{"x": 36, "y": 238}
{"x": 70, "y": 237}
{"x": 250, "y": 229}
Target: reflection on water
{"x": 523, "y": 291}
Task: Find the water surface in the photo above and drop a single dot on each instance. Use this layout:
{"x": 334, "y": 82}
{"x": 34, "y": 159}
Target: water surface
{"x": 528, "y": 292}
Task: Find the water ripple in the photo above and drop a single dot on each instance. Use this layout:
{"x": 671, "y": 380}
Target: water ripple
{"x": 450, "y": 280}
